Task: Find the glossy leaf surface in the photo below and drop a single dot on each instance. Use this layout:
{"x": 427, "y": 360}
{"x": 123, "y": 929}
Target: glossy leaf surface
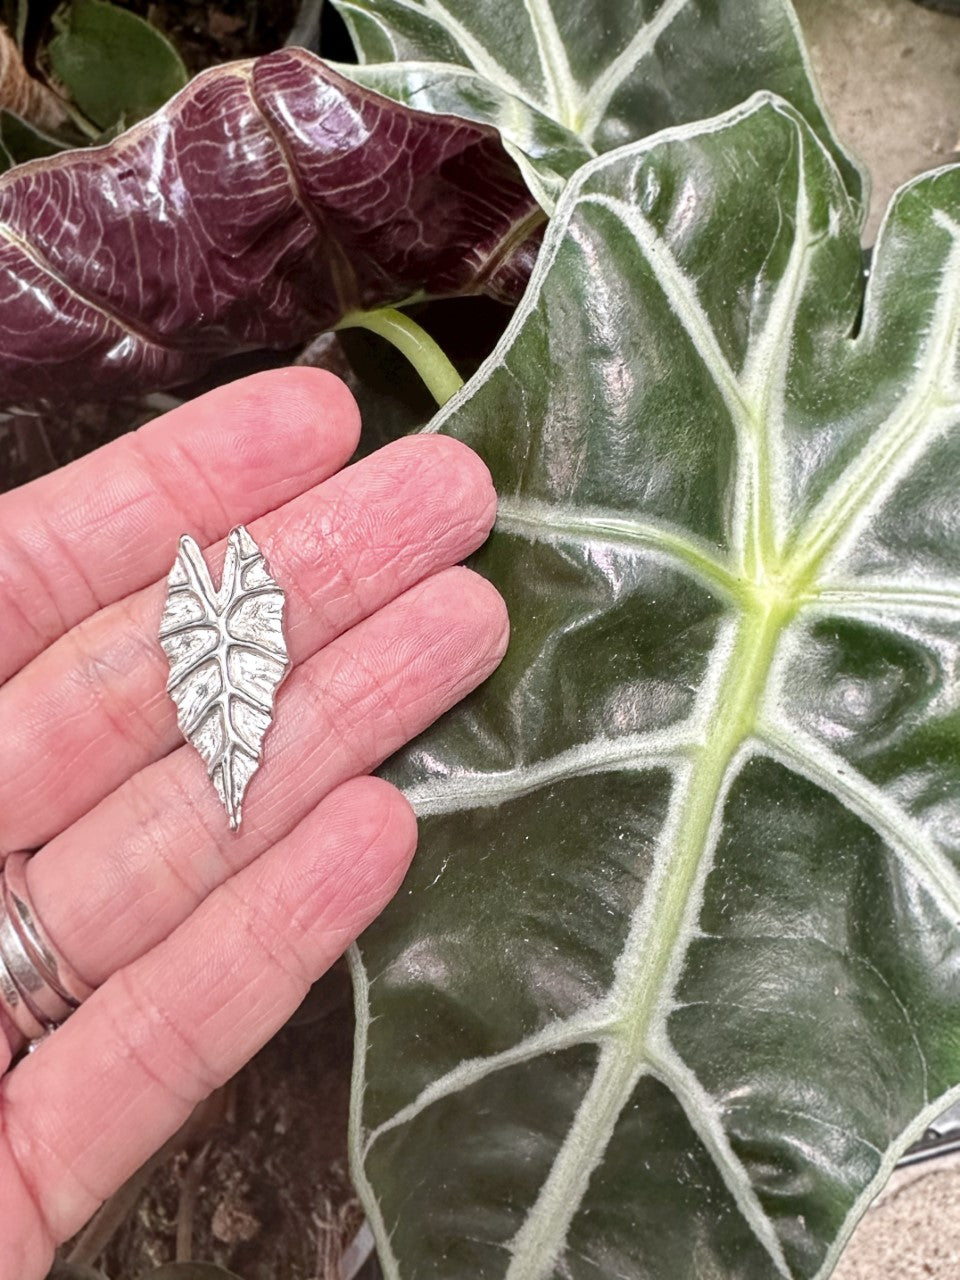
{"x": 565, "y": 81}
{"x": 265, "y": 201}
{"x": 675, "y": 974}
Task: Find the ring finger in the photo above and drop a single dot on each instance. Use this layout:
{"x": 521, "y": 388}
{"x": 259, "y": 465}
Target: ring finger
{"x": 78, "y": 1116}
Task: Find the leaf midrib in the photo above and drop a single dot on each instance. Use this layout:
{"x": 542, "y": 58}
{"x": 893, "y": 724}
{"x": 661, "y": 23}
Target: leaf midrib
{"x": 635, "y": 1037}
{"x": 577, "y": 106}
{"x": 657, "y": 942}
{"x": 773, "y": 586}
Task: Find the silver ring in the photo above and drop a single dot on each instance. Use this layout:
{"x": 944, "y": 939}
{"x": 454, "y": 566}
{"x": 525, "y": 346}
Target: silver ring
{"x": 38, "y": 989}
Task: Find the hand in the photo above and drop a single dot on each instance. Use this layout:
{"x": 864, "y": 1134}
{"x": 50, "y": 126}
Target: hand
{"x": 201, "y": 941}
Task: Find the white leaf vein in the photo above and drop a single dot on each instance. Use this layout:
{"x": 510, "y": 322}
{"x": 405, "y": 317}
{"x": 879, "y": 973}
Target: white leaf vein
{"x": 905, "y": 837}
{"x": 733, "y": 719}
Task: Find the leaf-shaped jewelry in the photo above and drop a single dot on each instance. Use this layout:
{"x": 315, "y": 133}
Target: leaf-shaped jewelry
{"x": 227, "y": 656}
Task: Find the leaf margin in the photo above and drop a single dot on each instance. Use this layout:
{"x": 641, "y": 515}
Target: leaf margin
{"x": 359, "y": 1138}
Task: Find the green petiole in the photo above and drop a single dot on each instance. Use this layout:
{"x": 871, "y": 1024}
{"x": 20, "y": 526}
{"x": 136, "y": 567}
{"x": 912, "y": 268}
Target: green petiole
{"x": 439, "y": 376}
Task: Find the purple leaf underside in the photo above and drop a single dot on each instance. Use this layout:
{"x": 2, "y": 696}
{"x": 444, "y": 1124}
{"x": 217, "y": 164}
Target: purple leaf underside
{"x": 265, "y": 201}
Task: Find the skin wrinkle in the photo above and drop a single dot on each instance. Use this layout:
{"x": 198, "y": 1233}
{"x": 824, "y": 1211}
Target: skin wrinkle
{"x": 60, "y": 553}
{"x": 345, "y": 889}
{"x": 195, "y": 801}
{"x": 12, "y": 553}
{"x": 125, "y": 717}
{"x": 135, "y": 1027}
{"x": 431, "y": 469}
{"x": 30, "y": 1190}
{"x": 284, "y": 961}
{"x": 140, "y": 1025}
{"x": 203, "y": 529}
{"x": 376, "y": 691}
{"x": 273, "y": 430}
{"x": 326, "y": 710}
{"x": 155, "y": 714}
{"x": 343, "y": 740}
{"x": 10, "y": 1042}
{"x": 186, "y": 998}
{"x": 23, "y": 1143}
{"x": 124, "y": 1046}
{"x": 150, "y": 849}
{"x": 271, "y": 900}
{"x": 161, "y": 854}
{"x": 332, "y": 527}
{"x": 415, "y": 477}
{"x": 406, "y": 643}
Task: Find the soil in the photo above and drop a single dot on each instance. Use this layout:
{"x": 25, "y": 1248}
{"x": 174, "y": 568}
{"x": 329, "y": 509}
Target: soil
{"x": 206, "y": 32}
{"x": 890, "y": 73}
{"x": 258, "y": 1182}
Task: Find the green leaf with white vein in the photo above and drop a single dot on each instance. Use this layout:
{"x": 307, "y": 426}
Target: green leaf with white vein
{"x": 566, "y": 80}
{"x": 675, "y": 975}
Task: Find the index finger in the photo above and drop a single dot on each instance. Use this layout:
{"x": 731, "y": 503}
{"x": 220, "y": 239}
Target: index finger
{"x": 101, "y": 528}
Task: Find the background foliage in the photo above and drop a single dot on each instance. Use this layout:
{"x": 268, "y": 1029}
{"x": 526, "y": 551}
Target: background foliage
{"x": 680, "y": 943}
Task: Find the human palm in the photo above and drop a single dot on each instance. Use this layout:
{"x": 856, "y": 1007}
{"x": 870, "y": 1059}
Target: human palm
{"x": 201, "y": 941}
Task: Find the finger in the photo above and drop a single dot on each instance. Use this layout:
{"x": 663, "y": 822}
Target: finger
{"x": 94, "y": 531}
{"x": 92, "y": 710}
{"x": 96, "y": 1099}
{"x": 130, "y": 871}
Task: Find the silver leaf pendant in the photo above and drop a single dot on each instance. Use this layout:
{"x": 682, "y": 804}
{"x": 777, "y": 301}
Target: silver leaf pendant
{"x": 227, "y": 658}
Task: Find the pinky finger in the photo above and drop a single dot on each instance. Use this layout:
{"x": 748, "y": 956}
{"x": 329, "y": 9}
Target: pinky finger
{"x": 101, "y": 1095}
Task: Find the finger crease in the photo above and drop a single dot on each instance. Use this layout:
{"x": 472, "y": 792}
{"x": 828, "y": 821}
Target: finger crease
{"x": 155, "y": 1018}
{"x": 271, "y": 943}
{"x": 23, "y": 1144}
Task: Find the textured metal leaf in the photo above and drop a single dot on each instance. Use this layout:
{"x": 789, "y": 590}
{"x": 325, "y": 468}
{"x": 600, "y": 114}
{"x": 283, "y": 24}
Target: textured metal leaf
{"x": 566, "y": 80}
{"x": 261, "y": 204}
{"x": 227, "y": 656}
{"x": 675, "y": 974}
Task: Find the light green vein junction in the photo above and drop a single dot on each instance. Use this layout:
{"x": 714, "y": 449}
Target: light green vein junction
{"x": 765, "y": 585}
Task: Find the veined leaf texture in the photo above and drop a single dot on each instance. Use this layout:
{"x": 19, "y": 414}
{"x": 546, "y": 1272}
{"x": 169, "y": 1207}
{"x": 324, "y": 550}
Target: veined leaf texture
{"x": 227, "y": 658}
{"x": 674, "y": 977}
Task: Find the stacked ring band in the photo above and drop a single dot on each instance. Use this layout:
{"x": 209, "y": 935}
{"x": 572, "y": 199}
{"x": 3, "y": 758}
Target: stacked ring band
{"x": 38, "y": 989}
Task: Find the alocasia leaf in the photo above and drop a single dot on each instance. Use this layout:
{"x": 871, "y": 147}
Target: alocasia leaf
{"x": 565, "y": 80}
{"x": 675, "y": 974}
{"x": 261, "y": 204}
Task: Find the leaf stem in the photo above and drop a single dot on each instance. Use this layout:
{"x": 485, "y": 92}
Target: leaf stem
{"x": 439, "y": 376}
{"x": 89, "y": 130}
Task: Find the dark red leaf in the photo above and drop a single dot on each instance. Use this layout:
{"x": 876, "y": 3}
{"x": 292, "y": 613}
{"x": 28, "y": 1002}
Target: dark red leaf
{"x": 261, "y": 204}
